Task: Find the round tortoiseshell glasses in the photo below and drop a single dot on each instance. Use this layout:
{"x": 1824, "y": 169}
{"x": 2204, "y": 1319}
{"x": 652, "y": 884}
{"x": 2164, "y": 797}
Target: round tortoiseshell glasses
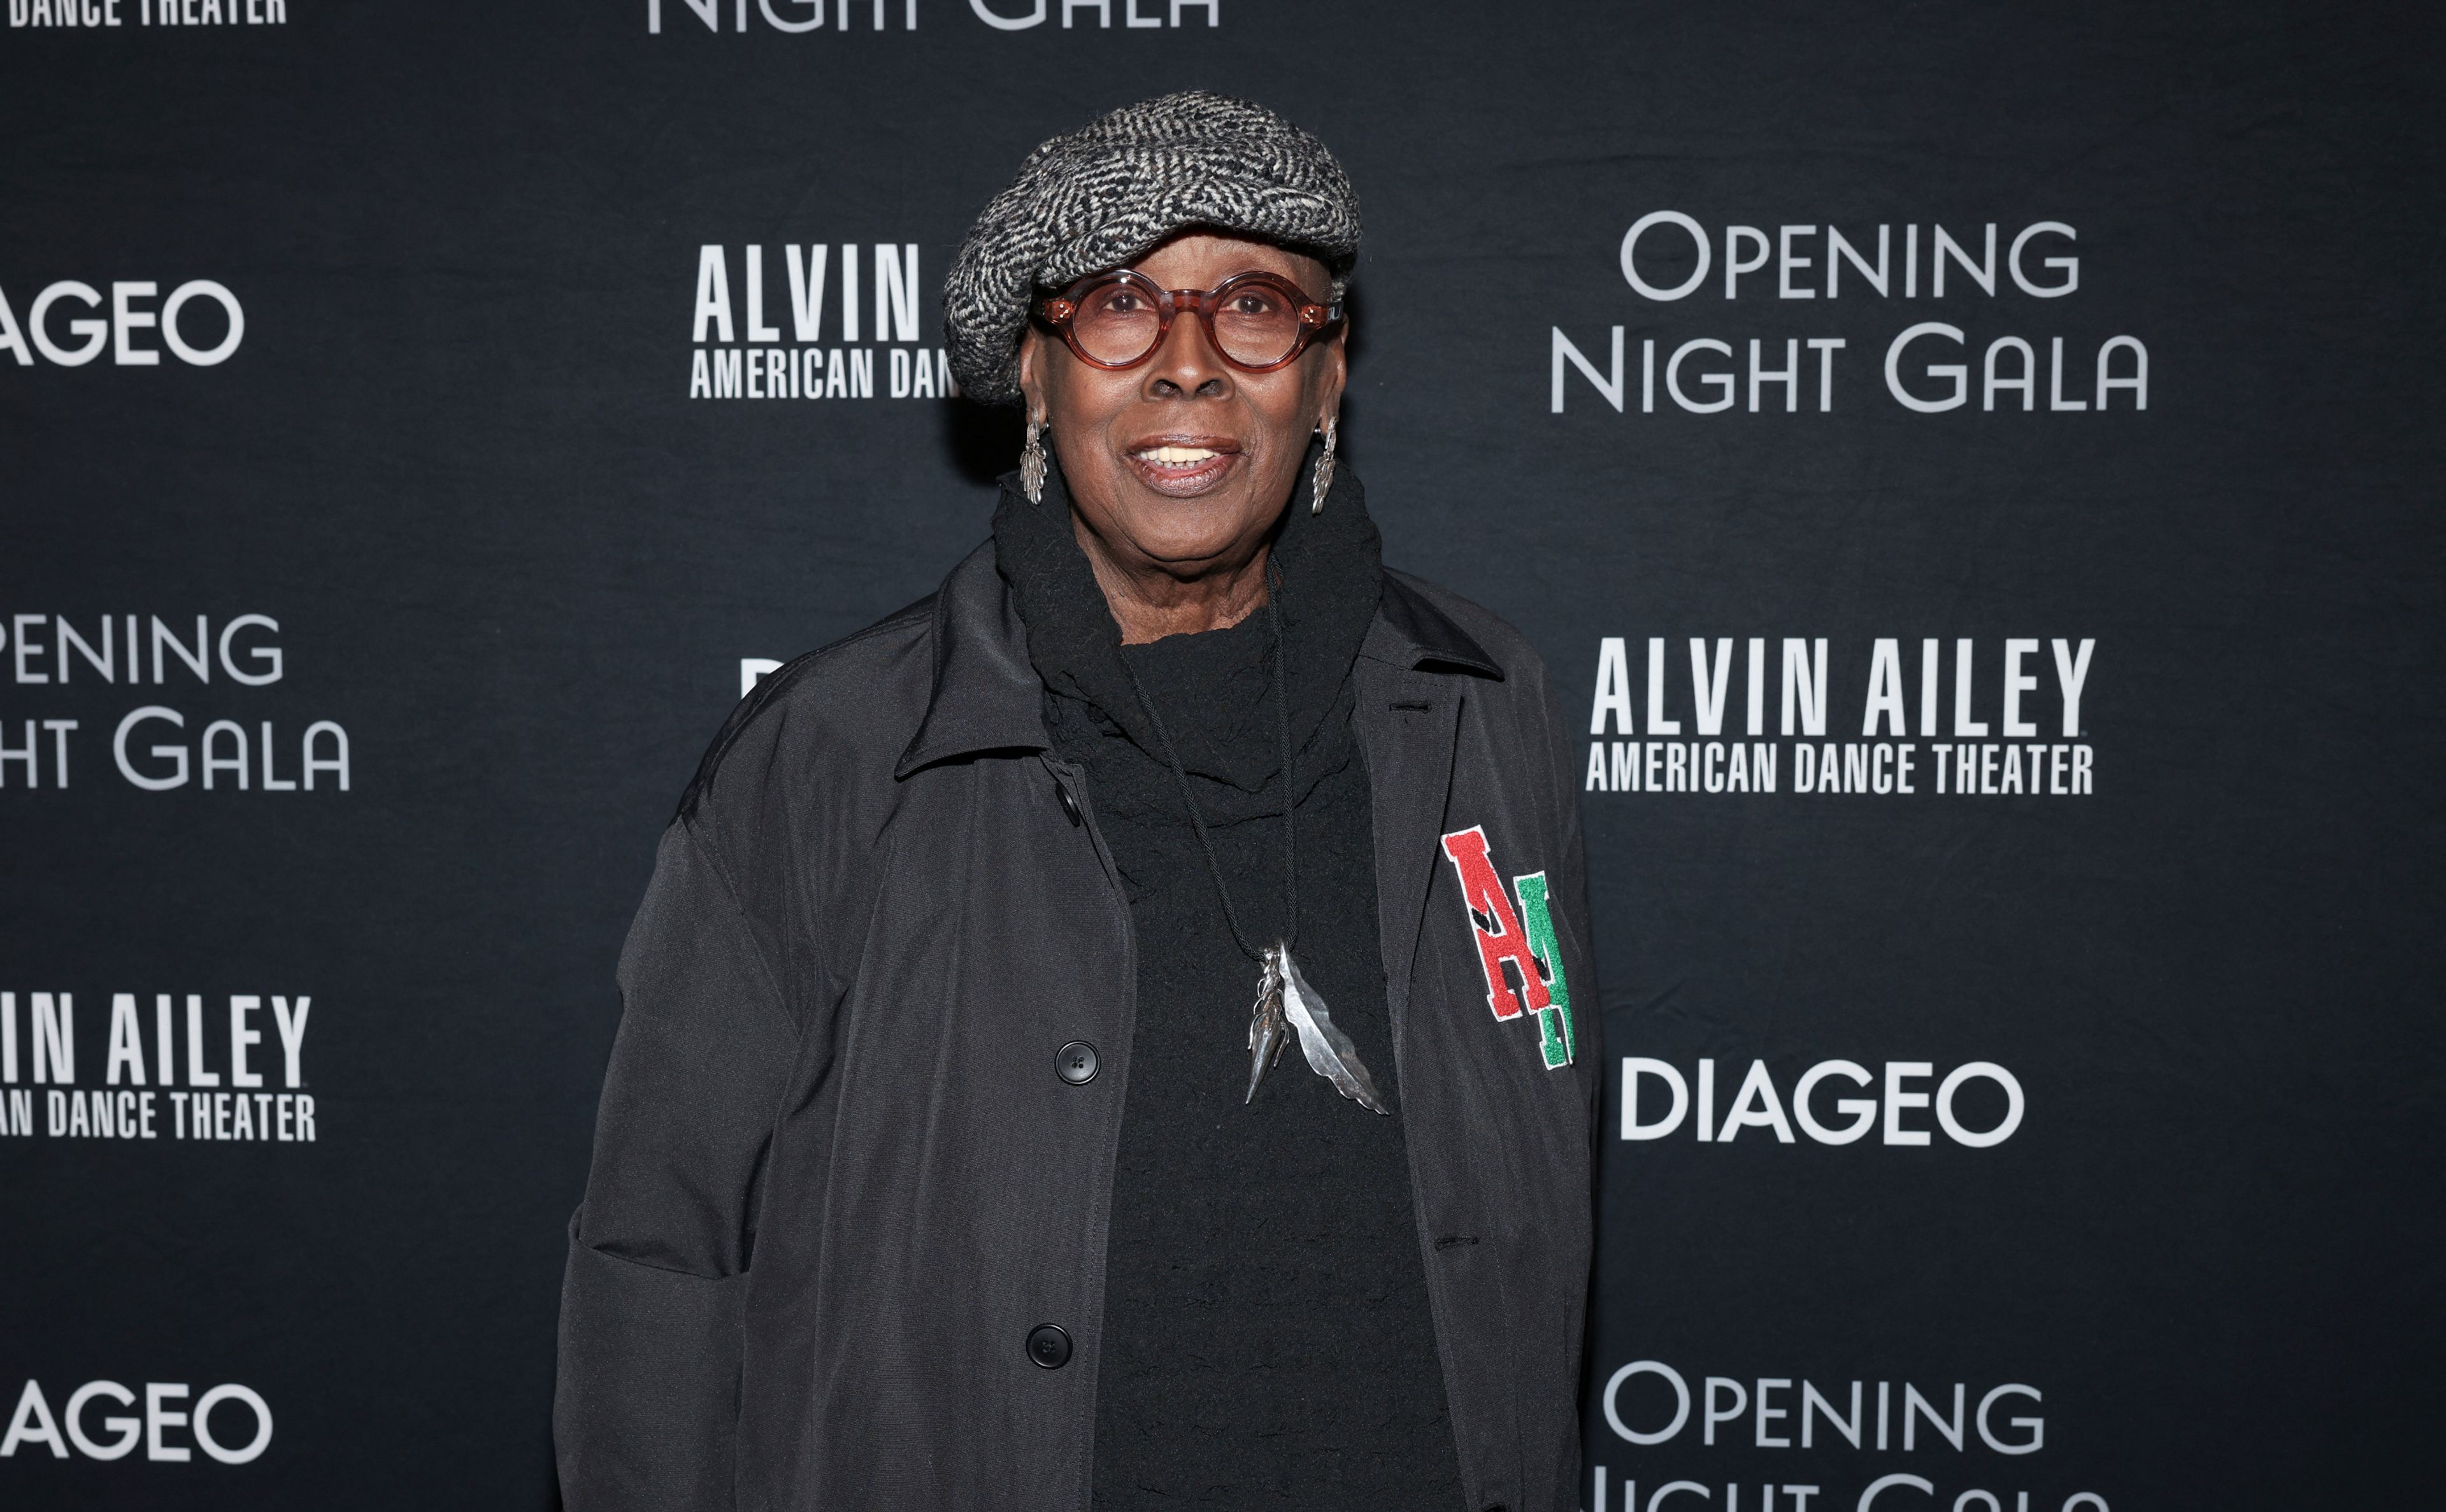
{"x": 1259, "y": 322}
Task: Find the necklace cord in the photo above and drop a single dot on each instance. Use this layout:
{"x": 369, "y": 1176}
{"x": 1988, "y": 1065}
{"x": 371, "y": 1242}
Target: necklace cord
{"x": 1189, "y": 800}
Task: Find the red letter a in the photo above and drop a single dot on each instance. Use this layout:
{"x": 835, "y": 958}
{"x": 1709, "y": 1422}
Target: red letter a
{"x": 1495, "y": 927}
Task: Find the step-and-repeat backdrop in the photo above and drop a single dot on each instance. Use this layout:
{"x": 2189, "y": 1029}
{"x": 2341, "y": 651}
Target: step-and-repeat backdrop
{"x": 1973, "y": 473}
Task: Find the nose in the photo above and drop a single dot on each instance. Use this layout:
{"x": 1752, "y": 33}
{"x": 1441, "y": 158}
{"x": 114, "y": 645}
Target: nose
{"x": 1187, "y": 364}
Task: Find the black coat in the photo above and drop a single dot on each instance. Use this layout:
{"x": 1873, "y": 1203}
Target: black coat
{"x": 838, "y": 1181}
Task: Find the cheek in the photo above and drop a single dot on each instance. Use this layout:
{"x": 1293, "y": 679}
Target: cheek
{"x": 1287, "y": 417}
{"x": 1294, "y": 406}
{"x": 1085, "y": 402}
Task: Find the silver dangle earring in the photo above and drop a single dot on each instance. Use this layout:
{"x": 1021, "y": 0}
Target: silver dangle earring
{"x": 1323, "y": 481}
{"x": 1031, "y": 463}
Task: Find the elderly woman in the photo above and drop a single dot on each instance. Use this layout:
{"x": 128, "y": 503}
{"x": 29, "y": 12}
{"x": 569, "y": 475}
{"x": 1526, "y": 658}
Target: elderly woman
{"x": 1121, "y": 1031}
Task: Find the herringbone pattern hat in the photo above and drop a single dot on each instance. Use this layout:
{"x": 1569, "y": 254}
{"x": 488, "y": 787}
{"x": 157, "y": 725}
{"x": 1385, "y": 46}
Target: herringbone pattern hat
{"x": 1096, "y": 198}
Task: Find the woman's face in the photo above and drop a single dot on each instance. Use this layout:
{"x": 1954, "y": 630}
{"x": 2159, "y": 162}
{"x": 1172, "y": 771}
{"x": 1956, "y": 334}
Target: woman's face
{"x": 1183, "y": 463}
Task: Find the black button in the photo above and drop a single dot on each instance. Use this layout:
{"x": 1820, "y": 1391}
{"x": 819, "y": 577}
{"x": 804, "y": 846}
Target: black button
{"x": 1048, "y": 1346}
{"x": 1069, "y": 804}
{"x": 1075, "y": 1063}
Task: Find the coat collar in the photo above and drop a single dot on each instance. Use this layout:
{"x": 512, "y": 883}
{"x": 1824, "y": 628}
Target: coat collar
{"x": 988, "y": 696}
{"x": 1411, "y": 632}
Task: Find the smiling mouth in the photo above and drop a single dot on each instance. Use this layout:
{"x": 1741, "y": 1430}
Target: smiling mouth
{"x": 1177, "y": 456}
{"x": 1184, "y": 469}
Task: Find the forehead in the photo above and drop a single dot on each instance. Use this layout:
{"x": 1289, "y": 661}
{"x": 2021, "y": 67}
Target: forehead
{"x": 1200, "y": 259}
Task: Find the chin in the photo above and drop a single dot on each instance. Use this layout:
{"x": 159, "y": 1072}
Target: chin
{"x": 1184, "y": 549}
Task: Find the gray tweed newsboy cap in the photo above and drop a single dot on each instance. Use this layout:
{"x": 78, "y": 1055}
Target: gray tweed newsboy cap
{"x": 1098, "y": 197}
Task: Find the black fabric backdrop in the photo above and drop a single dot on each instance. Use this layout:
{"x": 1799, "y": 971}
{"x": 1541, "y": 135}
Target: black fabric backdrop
{"x": 455, "y": 456}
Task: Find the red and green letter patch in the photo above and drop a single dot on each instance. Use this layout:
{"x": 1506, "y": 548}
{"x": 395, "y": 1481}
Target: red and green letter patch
{"x": 1526, "y": 939}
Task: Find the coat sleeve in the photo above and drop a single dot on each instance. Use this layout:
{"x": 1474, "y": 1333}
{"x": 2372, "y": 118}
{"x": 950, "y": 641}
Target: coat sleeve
{"x": 647, "y": 1404}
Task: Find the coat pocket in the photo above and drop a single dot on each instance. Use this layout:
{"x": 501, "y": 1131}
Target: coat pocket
{"x": 646, "y": 1411}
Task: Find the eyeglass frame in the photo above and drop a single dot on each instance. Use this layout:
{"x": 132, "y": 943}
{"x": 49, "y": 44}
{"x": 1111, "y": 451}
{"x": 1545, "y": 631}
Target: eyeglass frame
{"x": 1316, "y": 319}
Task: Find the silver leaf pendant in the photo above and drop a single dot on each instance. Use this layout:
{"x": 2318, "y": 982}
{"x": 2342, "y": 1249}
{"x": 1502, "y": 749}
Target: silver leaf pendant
{"x": 1267, "y": 1028}
{"x": 1286, "y": 999}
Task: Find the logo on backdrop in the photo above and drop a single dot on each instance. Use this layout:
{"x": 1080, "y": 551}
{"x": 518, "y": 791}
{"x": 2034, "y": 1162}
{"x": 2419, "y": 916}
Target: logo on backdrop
{"x": 200, "y": 323}
{"x": 1952, "y": 1432}
{"x": 800, "y": 16}
{"x": 2023, "y": 736}
{"x": 1926, "y": 365}
{"x": 158, "y": 747}
{"x": 232, "y": 1424}
{"x": 815, "y": 293}
{"x": 240, "y": 1077}
{"x": 1523, "y": 941}
{"x": 94, "y": 14}
{"x": 1901, "y": 1100}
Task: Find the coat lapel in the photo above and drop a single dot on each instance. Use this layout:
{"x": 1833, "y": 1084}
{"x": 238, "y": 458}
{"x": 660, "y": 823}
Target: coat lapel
{"x": 1408, "y": 720}
{"x": 1407, "y": 724}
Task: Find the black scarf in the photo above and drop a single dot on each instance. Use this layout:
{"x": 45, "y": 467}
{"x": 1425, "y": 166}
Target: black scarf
{"x": 1215, "y": 691}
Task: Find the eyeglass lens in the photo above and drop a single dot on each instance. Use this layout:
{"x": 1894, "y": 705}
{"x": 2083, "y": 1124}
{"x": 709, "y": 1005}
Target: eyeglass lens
{"x": 1254, "y": 324}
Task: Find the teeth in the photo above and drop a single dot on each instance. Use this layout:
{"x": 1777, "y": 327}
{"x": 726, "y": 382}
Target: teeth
{"x": 1177, "y": 456}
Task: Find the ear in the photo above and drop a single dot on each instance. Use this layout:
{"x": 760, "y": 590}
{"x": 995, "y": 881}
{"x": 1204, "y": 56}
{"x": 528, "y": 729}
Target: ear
{"x": 1335, "y": 375}
{"x": 1031, "y": 377}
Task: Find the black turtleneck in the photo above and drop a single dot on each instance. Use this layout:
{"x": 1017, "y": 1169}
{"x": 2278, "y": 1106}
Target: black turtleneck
{"x": 1266, "y": 1341}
